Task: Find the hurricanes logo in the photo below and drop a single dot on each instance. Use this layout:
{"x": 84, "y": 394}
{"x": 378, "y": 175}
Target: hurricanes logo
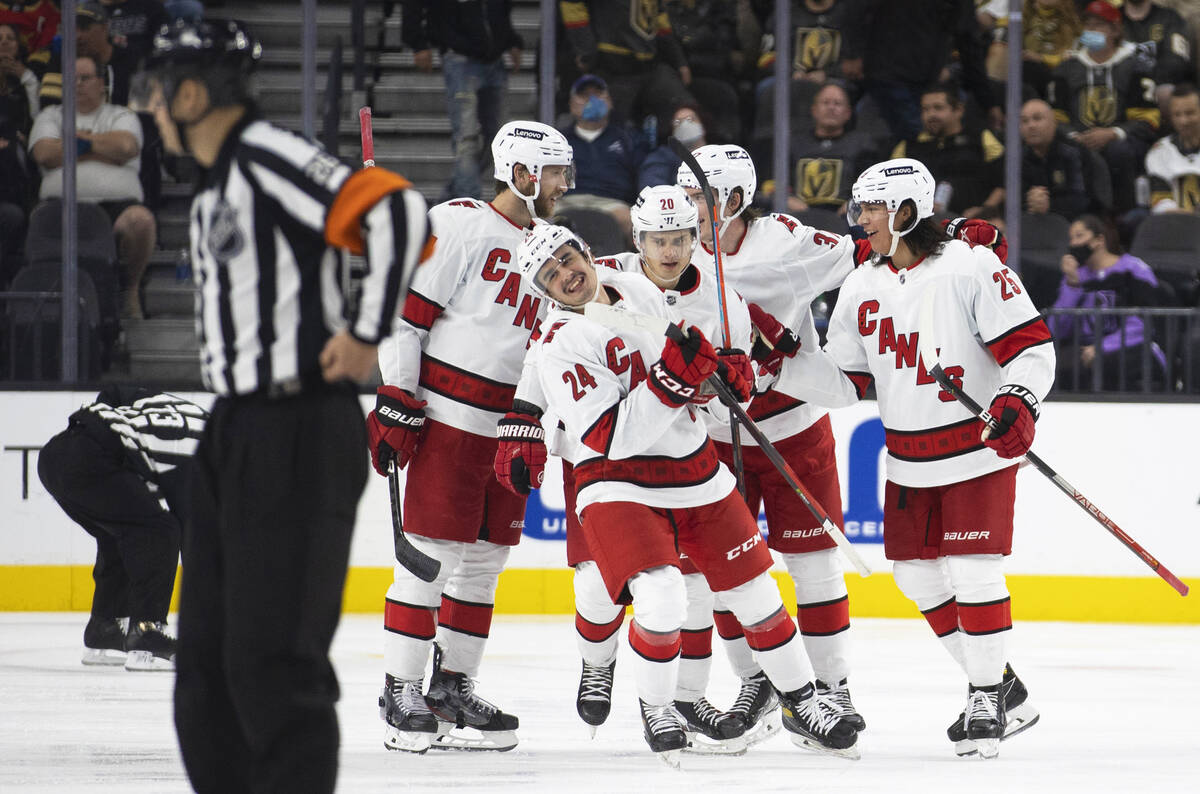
{"x": 1098, "y": 106}
{"x": 1189, "y": 192}
{"x": 642, "y": 16}
{"x": 818, "y": 180}
{"x": 816, "y": 48}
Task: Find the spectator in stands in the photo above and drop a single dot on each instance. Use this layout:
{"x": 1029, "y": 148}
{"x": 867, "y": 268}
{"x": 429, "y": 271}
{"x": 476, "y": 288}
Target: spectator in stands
{"x": 117, "y": 65}
{"x": 816, "y": 45}
{"x": 1105, "y": 93}
{"x": 826, "y": 159}
{"x": 607, "y": 155}
{"x": 709, "y": 31}
{"x": 1173, "y": 163}
{"x": 1050, "y": 31}
{"x": 18, "y": 84}
{"x": 1095, "y": 277}
{"x": 899, "y": 49}
{"x": 689, "y": 125}
{"x": 472, "y": 38}
{"x": 1057, "y": 174}
{"x": 1164, "y": 36}
{"x": 133, "y": 23}
{"x": 968, "y": 164}
{"x": 108, "y": 141}
{"x": 631, "y": 45}
{"x": 37, "y": 24}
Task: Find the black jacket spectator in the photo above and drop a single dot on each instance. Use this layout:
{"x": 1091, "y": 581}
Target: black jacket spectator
{"x": 1116, "y": 93}
{"x": 479, "y": 29}
{"x": 1068, "y": 172}
{"x": 133, "y": 23}
{"x": 817, "y": 40}
{"x": 1165, "y": 37}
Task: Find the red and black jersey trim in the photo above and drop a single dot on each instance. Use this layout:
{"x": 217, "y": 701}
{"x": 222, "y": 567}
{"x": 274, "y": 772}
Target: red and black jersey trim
{"x": 651, "y": 471}
{"x": 600, "y": 435}
{"x": 938, "y": 443}
{"x": 861, "y": 381}
{"x": 421, "y": 311}
{"x": 1016, "y": 341}
{"x": 465, "y": 387}
{"x": 771, "y": 403}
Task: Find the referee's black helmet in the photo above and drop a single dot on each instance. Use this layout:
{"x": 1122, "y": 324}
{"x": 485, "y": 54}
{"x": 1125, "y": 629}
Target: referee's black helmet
{"x": 221, "y": 53}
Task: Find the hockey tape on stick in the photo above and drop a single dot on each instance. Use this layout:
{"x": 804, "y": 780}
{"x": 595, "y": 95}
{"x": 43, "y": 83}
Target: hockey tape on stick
{"x": 415, "y": 561}
{"x": 624, "y": 320}
{"x": 368, "y": 136}
{"x": 930, "y": 356}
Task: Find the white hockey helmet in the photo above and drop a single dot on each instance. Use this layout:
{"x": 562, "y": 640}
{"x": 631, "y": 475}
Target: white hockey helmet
{"x": 539, "y": 247}
{"x": 533, "y": 145}
{"x": 891, "y": 183}
{"x": 725, "y": 167}
{"x": 663, "y": 208}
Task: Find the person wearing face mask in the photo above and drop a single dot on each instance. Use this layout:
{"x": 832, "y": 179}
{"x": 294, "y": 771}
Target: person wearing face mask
{"x": 1105, "y": 94}
{"x": 1095, "y": 277}
{"x": 607, "y": 155}
{"x": 689, "y": 128}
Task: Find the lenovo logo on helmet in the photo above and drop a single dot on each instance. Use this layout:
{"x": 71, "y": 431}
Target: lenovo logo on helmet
{"x": 899, "y": 170}
{"x": 531, "y": 134}
{"x": 740, "y": 154}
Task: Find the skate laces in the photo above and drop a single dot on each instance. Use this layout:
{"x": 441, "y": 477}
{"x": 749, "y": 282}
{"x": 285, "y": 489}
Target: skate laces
{"x": 982, "y": 705}
{"x": 839, "y": 695}
{"x": 706, "y": 712}
{"x": 819, "y": 711}
{"x": 748, "y": 696}
{"x": 407, "y": 696}
{"x": 660, "y": 719}
{"x": 595, "y": 683}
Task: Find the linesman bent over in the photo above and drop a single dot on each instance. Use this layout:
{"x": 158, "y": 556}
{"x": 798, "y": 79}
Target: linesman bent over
{"x": 280, "y": 468}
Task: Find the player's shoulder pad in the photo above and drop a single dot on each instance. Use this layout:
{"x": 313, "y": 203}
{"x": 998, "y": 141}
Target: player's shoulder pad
{"x": 458, "y": 205}
{"x": 622, "y": 263}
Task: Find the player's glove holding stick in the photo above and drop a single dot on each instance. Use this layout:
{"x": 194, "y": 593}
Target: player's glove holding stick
{"x": 1015, "y": 410}
{"x": 685, "y": 364}
{"x": 394, "y": 427}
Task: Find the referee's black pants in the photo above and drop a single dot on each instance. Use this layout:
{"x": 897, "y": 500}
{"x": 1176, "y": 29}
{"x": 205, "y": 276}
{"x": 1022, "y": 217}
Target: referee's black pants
{"x": 276, "y": 487}
{"x": 137, "y": 540}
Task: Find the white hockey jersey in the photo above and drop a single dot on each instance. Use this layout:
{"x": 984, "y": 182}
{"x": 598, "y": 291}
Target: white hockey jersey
{"x": 468, "y": 319}
{"x": 783, "y": 265}
{"x": 988, "y": 332}
{"x": 626, "y": 445}
{"x": 698, "y": 304}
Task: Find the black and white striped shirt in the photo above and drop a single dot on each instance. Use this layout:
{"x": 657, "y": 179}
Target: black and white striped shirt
{"x": 271, "y": 290}
{"x": 158, "y": 432}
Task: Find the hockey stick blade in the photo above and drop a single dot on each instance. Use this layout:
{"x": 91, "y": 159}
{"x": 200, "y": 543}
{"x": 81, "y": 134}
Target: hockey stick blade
{"x": 930, "y": 356}
{"x": 415, "y": 561}
{"x": 625, "y": 320}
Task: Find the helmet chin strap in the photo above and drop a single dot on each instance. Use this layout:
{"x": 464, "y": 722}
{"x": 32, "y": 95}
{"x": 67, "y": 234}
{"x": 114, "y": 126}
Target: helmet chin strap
{"x": 896, "y": 235}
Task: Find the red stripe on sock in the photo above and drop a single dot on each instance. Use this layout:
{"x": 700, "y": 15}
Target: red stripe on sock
{"x": 465, "y": 617}
{"x": 408, "y": 619}
{"x": 598, "y": 632}
{"x": 696, "y": 643}
{"x": 653, "y": 645}
{"x": 824, "y": 619}
{"x": 771, "y": 633}
{"x": 986, "y": 618}
{"x": 727, "y": 625}
{"x": 943, "y": 619}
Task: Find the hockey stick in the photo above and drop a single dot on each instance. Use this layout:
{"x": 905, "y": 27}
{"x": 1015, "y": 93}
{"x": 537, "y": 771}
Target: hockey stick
{"x": 926, "y": 343}
{"x": 623, "y": 320}
{"x": 689, "y": 160}
{"x": 368, "y": 136}
{"x": 415, "y": 561}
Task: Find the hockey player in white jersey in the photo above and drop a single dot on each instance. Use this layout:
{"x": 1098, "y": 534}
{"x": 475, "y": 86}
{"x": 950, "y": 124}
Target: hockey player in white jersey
{"x": 649, "y": 486}
{"x": 780, "y": 266}
{"x": 450, "y": 372}
{"x": 951, "y": 483}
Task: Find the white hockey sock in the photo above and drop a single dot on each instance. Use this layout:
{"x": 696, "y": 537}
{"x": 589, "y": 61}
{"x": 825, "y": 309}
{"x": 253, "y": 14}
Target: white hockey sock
{"x": 465, "y": 619}
{"x": 823, "y": 611}
{"x": 659, "y": 607}
{"x": 695, "y": 653}
{"x": 984, "y": 614}
{"x": 927, "y": 584}
{"x": 733, "y": 640}
{"x": 770, "y": 632}
{"x": 410, "y": 611}
{"x": 597, "y": 619}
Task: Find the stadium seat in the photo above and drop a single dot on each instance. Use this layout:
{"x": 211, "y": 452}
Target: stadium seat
{"x": 824, "y": 219}
{"x": 1043, "y": 245}
{"x": 33, "y": 325}
{"x": 598, "y": 229}
{"x": 1170, "y": 244}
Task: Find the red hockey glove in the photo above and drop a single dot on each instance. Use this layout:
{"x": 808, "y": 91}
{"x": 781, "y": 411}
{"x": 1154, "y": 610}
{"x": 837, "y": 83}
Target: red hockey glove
{"x": 862, "y": 251}
{"x": 976, "y": 232}
{"x": 735, "y": 369}
{"x": 676, "y": 377}
{"x": 1015, "y": 409}
{"x": 520, "y": 460}
{"x": 394, "y": 427}
{"x": 773, "y": 339}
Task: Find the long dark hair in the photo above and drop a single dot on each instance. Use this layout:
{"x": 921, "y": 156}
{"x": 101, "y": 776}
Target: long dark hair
{"x": 927, "y": 237}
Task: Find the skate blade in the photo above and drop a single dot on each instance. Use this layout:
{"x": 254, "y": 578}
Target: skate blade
{"x": 144, "y": 661}
{"x": 407, "y": 741}
{"x": 103, "y": 657}
{"x": 699, "y": 744}
{"x": 850, "y": 753}
{"x": 592, "y": 731}
{"x": 1020, "y": 719}
{"x": 671, "y": 758}
{"x": 764, "y": 729}
{"x": 471, "y": 740}
{"x": 987, "y": 748}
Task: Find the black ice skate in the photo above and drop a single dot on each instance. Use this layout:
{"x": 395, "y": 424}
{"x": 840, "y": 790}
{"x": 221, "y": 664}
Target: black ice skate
{"x": 984, "y": 718}
{"x": 465, "y": 720}
{"x": 149, "y": 647}
{"x": 410, "y": 725}
{"x": 664, "y": 730}
{"x": 758, "y": 708}
{"x": 104, "y": 641}
{"x": 839, "y": 695}
{"x": 594, "y": 700}
{"x": 711, "y": 731}
{"x": 814, "y": 723}
{"x": 1019, "y": 715}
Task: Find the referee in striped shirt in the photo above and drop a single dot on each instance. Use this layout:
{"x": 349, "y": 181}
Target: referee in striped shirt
{"x": 286, "y": 330}
{"x": 119, "y": 471}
